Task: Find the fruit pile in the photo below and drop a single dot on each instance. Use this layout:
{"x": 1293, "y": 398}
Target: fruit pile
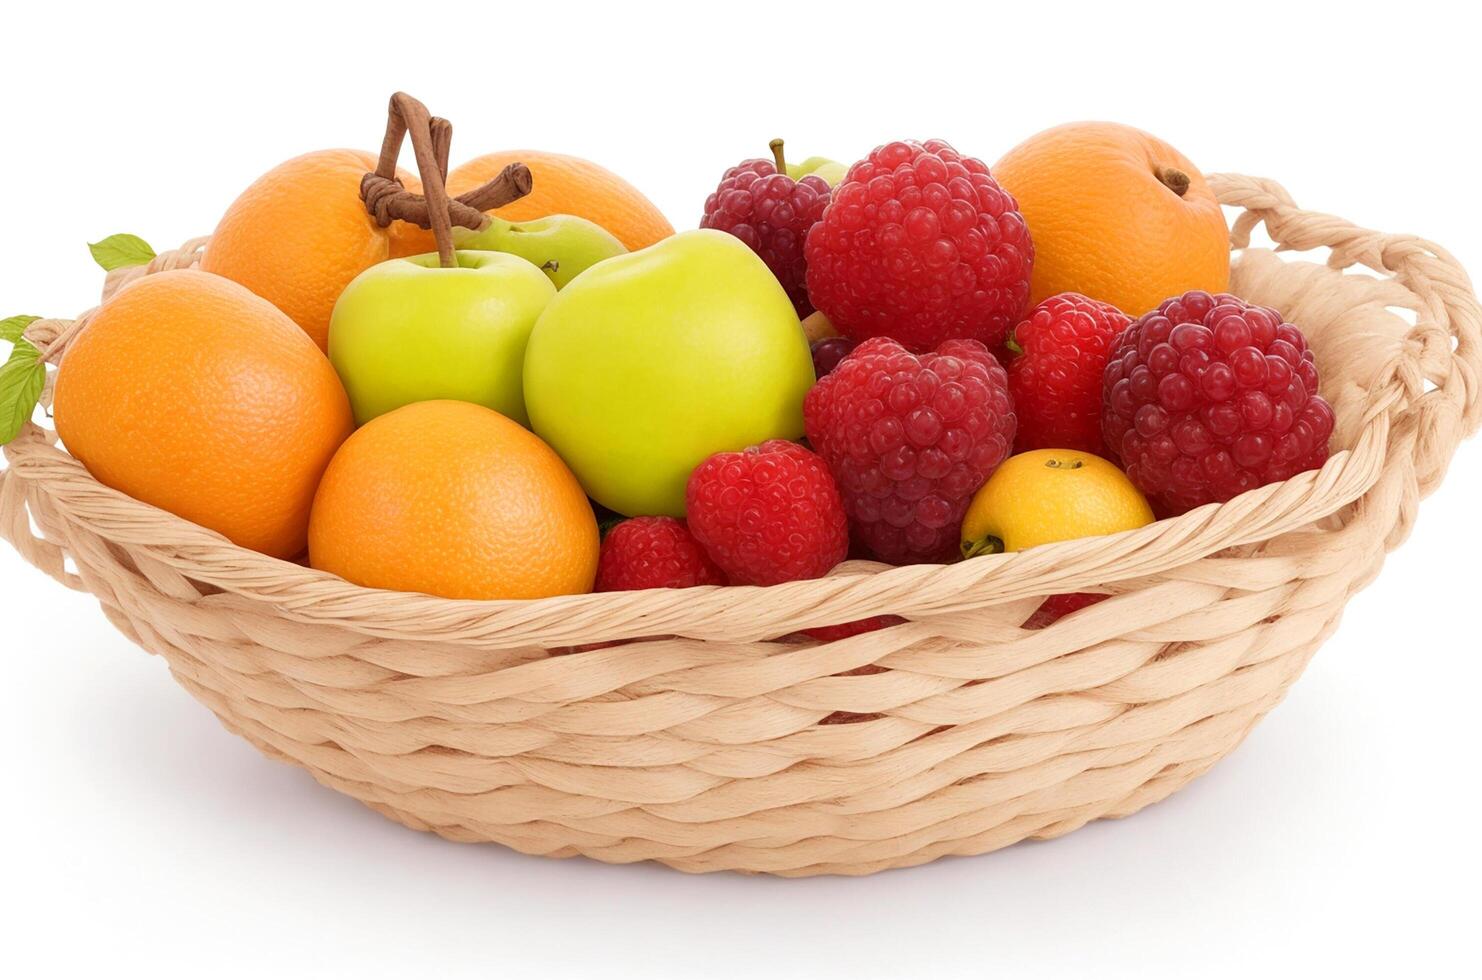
{"x": 436, "y": 383}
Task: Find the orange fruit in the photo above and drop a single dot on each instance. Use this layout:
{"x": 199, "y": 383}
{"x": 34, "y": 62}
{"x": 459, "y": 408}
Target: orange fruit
{"x": 453, "y": 499}
{"x": 561, "y": 185}
{"x": 300, "y": 233}
{"x": 1108, "y": 220}
{"x": 188, "y": 392}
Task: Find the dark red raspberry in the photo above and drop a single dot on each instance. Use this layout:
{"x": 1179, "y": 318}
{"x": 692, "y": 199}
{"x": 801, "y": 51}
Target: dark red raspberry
{"x": 1057, "y": 606}
{"x": 828, "y": 352}
{"x": 843, "y": 631}
{"x": 768, "y": 514}
{"x": 910, "y": 438}
{"x": 921, "y": 245}
{"x": 1207, "y": 397}
{"x": 1056, "y": 380}
{"x": 653, "y": 553}
{"x": 769, "y": 211}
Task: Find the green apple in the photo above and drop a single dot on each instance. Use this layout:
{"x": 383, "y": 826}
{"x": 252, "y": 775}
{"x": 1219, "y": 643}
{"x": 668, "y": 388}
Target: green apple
{"x": 409, "y": 331}
{"x": 652, "y": 361}
{"x": 831, "y": 171}
{"x": 561, "y": 245}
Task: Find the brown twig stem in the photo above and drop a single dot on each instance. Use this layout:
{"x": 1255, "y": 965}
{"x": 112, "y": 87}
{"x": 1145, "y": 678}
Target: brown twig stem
{"x": 387, "y": 199}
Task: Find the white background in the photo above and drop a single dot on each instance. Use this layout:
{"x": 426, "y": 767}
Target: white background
{"x": 135, "y": 832}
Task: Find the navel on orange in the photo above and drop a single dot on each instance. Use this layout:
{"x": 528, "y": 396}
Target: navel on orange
{"x": 453, "y": 499}
{"x": 1117, "y": 215}
{"x": 188, "y": 392}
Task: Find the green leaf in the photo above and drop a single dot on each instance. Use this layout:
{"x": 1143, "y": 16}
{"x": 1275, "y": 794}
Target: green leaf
{"x": 121, "y": 252}
{"x": 12, "y": 327}
{"x": 21, "y": 380}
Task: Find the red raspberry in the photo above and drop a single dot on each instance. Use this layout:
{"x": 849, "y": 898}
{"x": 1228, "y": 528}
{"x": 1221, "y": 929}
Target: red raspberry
{"x": 769, "y": 211}
{"x": 653, "y": 553}
{"x": 911, "y": 438}
{"x": 828, "y": 352}
{"x": 1056, "y": 380}
{"x": 1207, "y": 397}
{"x": 1057, "y": 606}
{"x": 828, "y": 634}
{"x": 768, "y": 514}
{"x": 921, "y": 245}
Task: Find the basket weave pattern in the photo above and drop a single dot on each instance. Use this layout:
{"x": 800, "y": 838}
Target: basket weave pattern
{"x": 706, "y": 743}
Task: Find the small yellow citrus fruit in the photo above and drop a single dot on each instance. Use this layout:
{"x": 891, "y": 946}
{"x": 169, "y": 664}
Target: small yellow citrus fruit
{"x": 817, "y": 327}
{"x": 1051, "y": 495}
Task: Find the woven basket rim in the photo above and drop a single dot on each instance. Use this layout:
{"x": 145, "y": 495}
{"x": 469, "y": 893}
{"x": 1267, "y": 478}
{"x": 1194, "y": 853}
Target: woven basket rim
{"x": 311, "y": 594}
{"x": 857, "y": 589}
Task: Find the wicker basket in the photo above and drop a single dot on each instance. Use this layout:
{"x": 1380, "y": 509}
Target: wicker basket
{"x": 707, "y": 743}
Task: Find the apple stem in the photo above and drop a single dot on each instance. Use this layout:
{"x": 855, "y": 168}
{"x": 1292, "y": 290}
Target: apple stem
{"x": 777, "y": 156}
{"x": 386, "y": 199}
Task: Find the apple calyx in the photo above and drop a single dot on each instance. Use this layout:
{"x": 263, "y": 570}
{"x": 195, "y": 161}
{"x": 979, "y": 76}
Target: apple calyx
{"x": 387, "y": 199}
